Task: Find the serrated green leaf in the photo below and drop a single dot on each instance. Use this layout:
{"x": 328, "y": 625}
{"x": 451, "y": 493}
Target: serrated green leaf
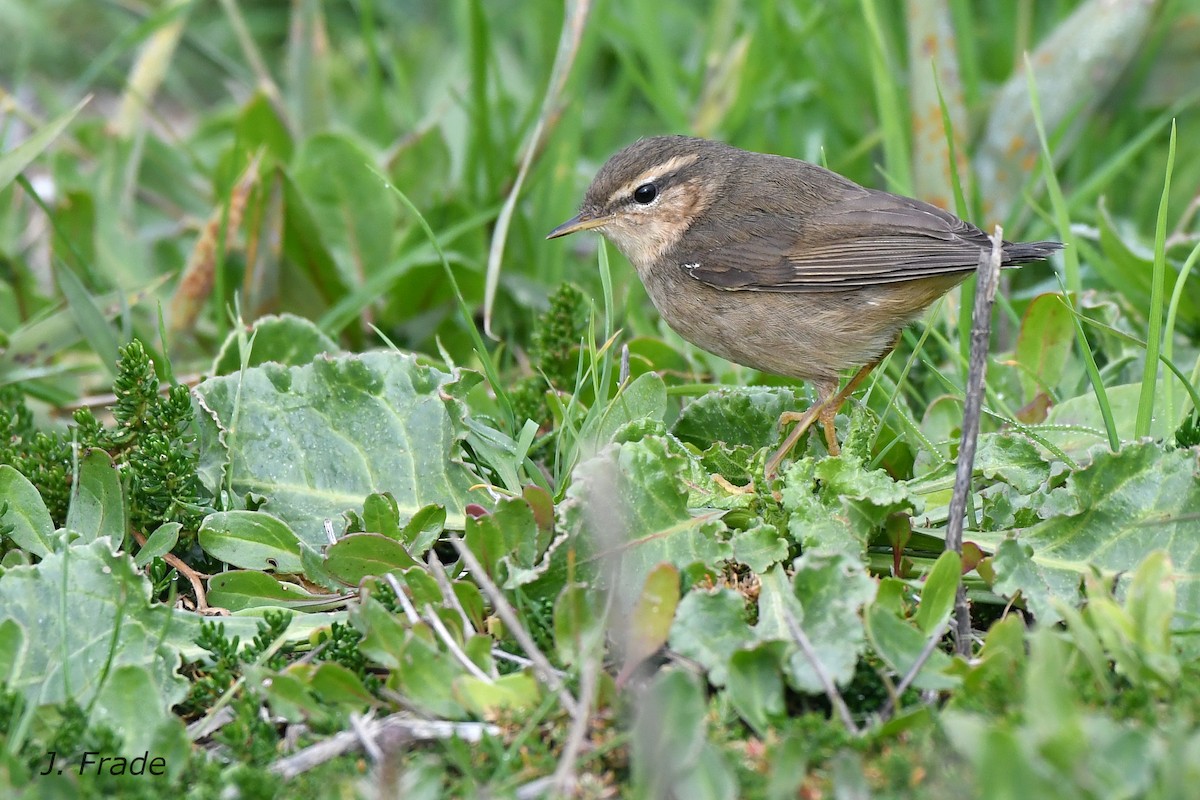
{"x": 831, "y": 590}
{"x": 104, "y": 622}
{"x": 735, "y": 416}
{"x": 281, "y": 339}
{"x": 759, "y": 546}
{"x": 1127, "y": 504}
{"x": 837, "y": 504}
{"x": 629, "y": 503}
{"x": 709, "y": 628}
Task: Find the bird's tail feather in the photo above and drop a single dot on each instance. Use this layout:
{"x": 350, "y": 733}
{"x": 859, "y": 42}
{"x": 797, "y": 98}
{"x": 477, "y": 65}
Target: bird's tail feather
{"x": 1024, "y": 252}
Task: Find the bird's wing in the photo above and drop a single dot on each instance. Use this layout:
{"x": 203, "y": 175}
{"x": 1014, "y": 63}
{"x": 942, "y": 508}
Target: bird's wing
{"x": 867, "y": 239}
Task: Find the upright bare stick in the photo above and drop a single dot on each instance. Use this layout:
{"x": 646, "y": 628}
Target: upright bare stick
{"x": 981, "y": 330}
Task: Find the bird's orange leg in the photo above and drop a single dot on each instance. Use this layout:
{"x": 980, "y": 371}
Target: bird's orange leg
{"x": 825, "y": 409}
{"x": 825, "y": 393}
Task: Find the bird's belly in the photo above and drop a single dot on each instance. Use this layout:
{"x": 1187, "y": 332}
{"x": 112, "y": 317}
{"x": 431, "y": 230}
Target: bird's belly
{"x": 807, "y": 335}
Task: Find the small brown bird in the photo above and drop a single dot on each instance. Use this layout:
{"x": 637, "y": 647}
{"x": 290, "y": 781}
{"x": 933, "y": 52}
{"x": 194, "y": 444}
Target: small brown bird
{"x": 778, "y": 264}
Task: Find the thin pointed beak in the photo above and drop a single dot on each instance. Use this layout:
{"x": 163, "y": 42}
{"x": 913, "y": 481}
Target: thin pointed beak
{"x": 579, "y": 222}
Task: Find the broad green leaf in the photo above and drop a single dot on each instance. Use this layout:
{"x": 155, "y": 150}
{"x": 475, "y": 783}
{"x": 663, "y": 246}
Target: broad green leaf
{"x": 1127, "y": 504}
{"x": 427, "y": 677}
{"x": 360, "y": 555}
{"x": 284, "y": 339}
{"x": 899, "y": 644}
{"x": 1076, "y": 425}
{"x": 756, "y": 685}
{"x": 335, "y": 683}
{"x": 354, "y": 211}
{"x": 97, "y": 501}
{"x": 307, "y": 251}
{"x": 653, "y": 612}
{"x": 159, "y": 543}
{"x": 628, "y": 505}
{"x": 384, "y": 633}
{"x": 709, "y": 628}
{"x": 737, "y": 416}
{"x": 238, "y": 590}
{"x": 32, "y": 528}
{"x": 516, "y": 692}
{"x": 250, "y": 540}
{"x": 831, "y": 590}
{"x": 74, "y": 640}
{"x": 1044, "y": 345}
{"x": 712, "y": 779}
{"x": 669, "y": 734}
{"x": 937, "y": 595}
{"x": 314, "y": 441}
{"x": 645, "y": 398}
{"x": 259, "y": 126}
{"x": 127, "y": 704}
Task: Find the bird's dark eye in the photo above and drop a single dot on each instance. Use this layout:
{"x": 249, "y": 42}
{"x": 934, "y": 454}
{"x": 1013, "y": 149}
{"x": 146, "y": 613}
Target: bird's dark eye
{"x": 645, "y": 194}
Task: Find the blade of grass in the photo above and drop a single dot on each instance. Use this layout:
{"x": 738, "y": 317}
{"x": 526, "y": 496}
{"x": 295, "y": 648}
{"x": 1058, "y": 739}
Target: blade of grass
{"x": 14, "y": 162}
{"x": 485, "y": 357}
{"x": 1158, "y": 280}
{"x": 1089, "y": 361}
{"x": 960, "y": 204}
{"x": 1062, "y": 216}
{"x": 1071, "y": 281}
{"x": 574, "y": 20}
{"x": 83, "y": 307}
{"x": 888, "y": 104}
{"x": 1189, "y": 384}
{"x": 1169, "y": 328}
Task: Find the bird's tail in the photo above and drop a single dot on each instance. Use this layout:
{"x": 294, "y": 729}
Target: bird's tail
{"x": 1024, "y": 252}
